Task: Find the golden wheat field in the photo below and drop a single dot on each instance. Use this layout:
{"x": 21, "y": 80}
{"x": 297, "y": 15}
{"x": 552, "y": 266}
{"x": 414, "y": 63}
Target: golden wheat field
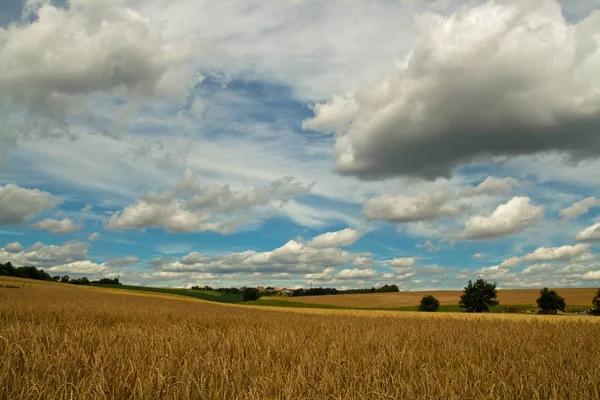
{"x": 573, "y": 297}
{"x": 60, "y": 341}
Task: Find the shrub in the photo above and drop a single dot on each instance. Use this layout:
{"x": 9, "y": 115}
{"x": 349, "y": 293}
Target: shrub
{"x": 550, "y": 302}
{"x": 250, "y": 294}
{"x": 478, "y": 296}
{"x": 429, "y": 303}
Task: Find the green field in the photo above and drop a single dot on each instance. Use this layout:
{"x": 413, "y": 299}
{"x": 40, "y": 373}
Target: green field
{"x": 198, "y": 294}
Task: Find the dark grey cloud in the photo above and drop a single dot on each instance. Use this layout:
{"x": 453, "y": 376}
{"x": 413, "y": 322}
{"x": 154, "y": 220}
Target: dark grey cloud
{"x": 500, "y": 80}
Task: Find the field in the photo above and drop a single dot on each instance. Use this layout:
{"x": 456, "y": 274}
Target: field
{"x": 198, "y": 294}
{"x": 70, "y": 342}
{"x": 521, "y": 297}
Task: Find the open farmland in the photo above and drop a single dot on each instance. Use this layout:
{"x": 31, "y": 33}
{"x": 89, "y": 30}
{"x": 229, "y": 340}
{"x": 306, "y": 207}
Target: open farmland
{"x": 64, "y": 341}
{"x": 573, "y": 297}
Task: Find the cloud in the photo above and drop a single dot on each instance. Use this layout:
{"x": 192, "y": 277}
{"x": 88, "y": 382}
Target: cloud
{"x": 345, "y": 237}
{"x": 579, "y": 208}
{"x": 578, "y": 252}
{"x": 589, "y": 234}
{"x": 400, "y": 209}
{"x": 121, "y": 262}
{"x": 507, "y": 219}
{"x": 18, "y": 205}
{"x": 195, "y": 208}
{"x": 90, "y": 47}
{"x": 539, "y": 268}
{"x": 492, "y": 186}
{"x": 562, "y": 266}
{"x": 327, "y": 273}
{"x": 403, "y": 262}
{"x": 294, "y": 258}
{"x": 429, "y": 246}
{"x": 14, "y": 247}
{"x": 478, "y": 256}
{"x": 560, "y": 272}
{"x": 57, "y": 227}
{"x": 356, "y": 273}
{"x": 562, "y": 253}
{"x": 318, "y": 217}
{"x": 458, "y": 98}
{"x": 93, "y": 236}
{"x": 79, "y": 267}
{"x": 591, "y": 275}
{"x": 43, "y": 256}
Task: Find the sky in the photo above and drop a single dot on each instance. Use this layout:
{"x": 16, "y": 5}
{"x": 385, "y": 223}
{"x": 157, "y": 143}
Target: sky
{"x": 307, "y": 142}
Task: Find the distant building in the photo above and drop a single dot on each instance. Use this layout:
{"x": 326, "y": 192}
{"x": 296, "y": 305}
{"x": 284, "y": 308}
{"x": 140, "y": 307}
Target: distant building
{"x": 287, "y": 291}
{"x": 261, "y": 288}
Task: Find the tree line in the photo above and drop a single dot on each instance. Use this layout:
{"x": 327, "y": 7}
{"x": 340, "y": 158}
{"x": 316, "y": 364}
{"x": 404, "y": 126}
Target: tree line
{"x": 320, "y": 291}
{"x": 30, "y": 272}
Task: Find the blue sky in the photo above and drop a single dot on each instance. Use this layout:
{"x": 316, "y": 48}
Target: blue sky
{"x": 294, "y": 143}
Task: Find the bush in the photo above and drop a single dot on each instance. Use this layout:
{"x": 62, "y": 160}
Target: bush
{"x": 478, "y": 296}
{"x": 429, "y": 303}
{"x": 550, "y": 302}
{"x": 250, "y": 294}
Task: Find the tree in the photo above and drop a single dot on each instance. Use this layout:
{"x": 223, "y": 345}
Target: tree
{"x": 80, "y": 281}
{"x": 250, "y": 294}
{"x": 478, "y": 296}
{"x": 429, "y": 303}
{"x": 56, "y": 278}
{"x": 596, "y": 303}
{"x": 65, "y": 279}
{"x": 550, "y": 302}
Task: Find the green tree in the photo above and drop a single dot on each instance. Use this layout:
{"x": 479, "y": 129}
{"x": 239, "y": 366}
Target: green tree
{"x": 596, "y": 303}
{"x": 65, "y": 279}
{"x": 429, "y": 303}
{"x": 250, "y": 294}
{"x": 478, "y": 296}
{"x": 550, "y": 302}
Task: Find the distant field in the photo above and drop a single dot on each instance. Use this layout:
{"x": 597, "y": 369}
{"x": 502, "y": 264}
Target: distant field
{"x": 573, "y": 297}
{"x": 198, "y": 294}
{"x": 61, "y": 341}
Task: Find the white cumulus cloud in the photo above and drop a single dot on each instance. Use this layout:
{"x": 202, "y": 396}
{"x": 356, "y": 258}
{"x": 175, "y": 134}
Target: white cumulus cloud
{"x": 459, "y": 98}
{"x": 56, "y": 226}
{"x": 18, "y": 204}
{"x": 399, "y": 209}
{"x": 14, "y": 247}
{"x": 491, "y": 186}
{"x": 589, "y": 234}
{"x": 510, "y": 218}
{"x": 579, "y": 208}
{"x": 345, "y": 237}
{"x": 195, "y": 208}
